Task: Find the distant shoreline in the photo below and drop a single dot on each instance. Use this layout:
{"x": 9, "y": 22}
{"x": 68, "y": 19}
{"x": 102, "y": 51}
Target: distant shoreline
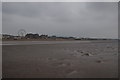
{"x": 54, "y": 40}
{"x": 39, "y": 40}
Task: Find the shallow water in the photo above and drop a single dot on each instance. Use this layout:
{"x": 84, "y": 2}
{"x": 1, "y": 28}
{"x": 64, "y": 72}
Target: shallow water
{"x": 39, "y": 42}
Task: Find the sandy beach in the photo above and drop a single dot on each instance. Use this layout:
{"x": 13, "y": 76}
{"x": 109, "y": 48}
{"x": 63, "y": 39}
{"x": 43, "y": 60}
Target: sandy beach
{"x": 95, "y": 59}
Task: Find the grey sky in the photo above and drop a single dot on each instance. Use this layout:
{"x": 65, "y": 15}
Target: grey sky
{"x": 80, "y": 19}
{"x": 60, "y": 0}
{"x": 0, "y": 17}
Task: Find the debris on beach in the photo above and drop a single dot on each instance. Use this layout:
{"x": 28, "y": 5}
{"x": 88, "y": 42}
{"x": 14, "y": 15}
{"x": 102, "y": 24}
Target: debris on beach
{"x": 81, "y": 51}
{"x": 99, "y": 61}
{"x": 87, "y": 54}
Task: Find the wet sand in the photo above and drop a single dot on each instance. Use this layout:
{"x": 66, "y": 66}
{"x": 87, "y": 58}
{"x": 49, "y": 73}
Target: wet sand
{"x": 0, "y": 60}
{"x": 96, "y": 59}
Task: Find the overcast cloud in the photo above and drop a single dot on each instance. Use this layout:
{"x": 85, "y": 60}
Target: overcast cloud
{"x": 80, "y": 19}
{"x": 0, "y": 17}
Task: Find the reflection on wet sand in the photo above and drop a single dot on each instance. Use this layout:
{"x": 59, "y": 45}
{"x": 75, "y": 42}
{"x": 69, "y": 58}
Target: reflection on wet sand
{"x": 96, "y": 59}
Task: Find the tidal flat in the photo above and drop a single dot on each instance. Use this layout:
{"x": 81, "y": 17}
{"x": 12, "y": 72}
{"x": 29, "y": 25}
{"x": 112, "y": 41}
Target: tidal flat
{"x": 90, "y": 59}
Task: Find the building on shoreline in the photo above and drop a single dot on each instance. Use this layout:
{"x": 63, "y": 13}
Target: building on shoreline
{"x": 0, "y": 36}
{"x": 43, "y": 37}
{"x": 31, "y": 36}
{"x": 6, "y": 36}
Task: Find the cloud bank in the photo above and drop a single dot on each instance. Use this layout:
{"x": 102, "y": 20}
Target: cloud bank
{"x": 79, "y": 19}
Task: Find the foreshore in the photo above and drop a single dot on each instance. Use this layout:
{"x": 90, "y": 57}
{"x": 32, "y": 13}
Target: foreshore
{"x": 54, "y": 39}
{"x": 38, "y": 40}
{"x": 97, "y": 59}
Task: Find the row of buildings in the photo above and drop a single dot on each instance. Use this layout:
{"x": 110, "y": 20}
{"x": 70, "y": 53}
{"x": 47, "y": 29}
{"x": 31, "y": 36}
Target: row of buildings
{"x": 0, "y": 36}
{"x": 37, "y": 36}
{"x": 33, "y": 36}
